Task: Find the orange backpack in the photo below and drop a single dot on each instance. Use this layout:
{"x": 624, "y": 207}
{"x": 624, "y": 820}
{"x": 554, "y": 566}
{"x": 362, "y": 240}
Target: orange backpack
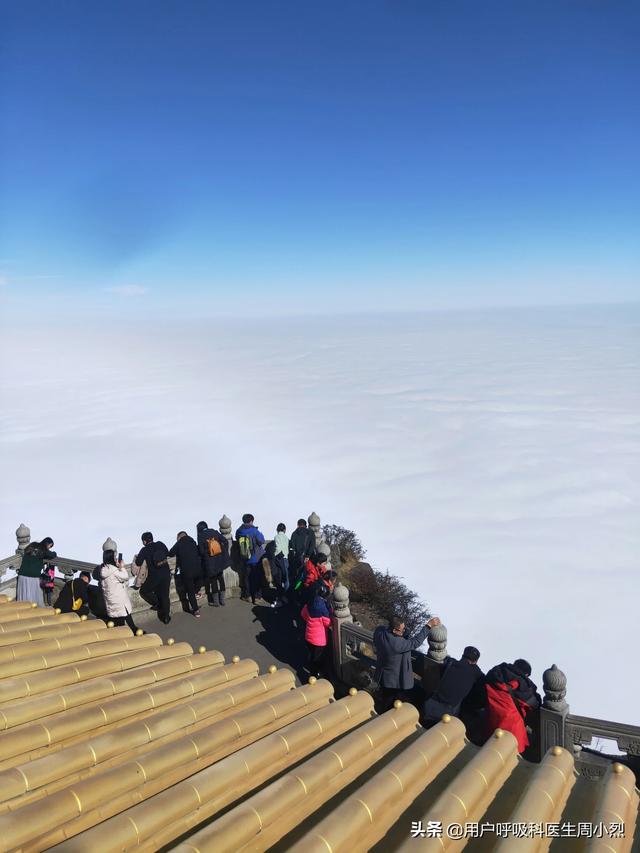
{"x": 214, "y": 548}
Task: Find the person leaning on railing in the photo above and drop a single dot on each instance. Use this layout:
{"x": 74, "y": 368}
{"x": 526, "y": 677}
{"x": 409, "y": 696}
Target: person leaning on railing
{"x": 394, "y": 672}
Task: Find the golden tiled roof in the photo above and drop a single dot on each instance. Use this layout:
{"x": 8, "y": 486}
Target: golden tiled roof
{"x": 110, "y": 742}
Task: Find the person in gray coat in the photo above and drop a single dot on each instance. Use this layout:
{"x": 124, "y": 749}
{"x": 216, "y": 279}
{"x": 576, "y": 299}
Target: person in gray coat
{"x": 394, "y": 673}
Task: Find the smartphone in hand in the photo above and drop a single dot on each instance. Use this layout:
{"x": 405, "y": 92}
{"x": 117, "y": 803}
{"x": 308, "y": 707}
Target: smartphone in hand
{"x": 120, "y": 558}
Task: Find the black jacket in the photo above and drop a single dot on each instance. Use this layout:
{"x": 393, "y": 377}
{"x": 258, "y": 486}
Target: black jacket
{"x": 212, "y": 566}
{"x": 458, "y": 679}
{"x": 394, "y": 667}
{"x": 302, "y": 545}
{"x": 155, "y": 554}
{"x": 187, "y": 557}
{"x": 526, "y": 691}
{"x": 77, "y": 588}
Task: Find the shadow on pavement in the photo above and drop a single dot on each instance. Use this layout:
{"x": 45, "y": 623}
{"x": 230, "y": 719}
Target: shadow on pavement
{"x": 282, "y": 635}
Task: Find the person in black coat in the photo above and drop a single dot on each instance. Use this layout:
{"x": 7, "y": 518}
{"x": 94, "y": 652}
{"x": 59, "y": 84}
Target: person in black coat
{"x": 214, "y": 555}
{"x": 394, "y": 672}
{"x": 77, "y": 588}
{"x": 155, "y": 589}
{"x": 302, "y": 545}
{"x": 189, "y": 563}
{"x": 458, "y": 680}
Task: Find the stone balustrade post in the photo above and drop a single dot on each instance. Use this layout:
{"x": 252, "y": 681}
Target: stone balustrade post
{"x": 110, "y": 545}
{"x": 434, "y": 658}
{"x": 23, "y": 535}
{"x": 322, "y": 546}
{"x": 341, "y": 614}
{"x": 231, "y": 576}
{"x": 554, "y": 710}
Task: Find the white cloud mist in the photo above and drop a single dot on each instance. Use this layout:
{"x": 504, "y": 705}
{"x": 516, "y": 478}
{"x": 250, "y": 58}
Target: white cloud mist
{"x": 492, "y": 460}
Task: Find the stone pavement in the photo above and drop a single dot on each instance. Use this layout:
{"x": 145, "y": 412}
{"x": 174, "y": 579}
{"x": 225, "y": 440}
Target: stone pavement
{"x": 260, "y": 633}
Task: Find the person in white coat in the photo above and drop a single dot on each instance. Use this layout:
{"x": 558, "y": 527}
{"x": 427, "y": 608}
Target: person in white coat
{"x": 115, "y": 588}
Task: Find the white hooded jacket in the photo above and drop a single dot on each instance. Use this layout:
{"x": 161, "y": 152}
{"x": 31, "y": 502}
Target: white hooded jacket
{"x": 115, "y": 588}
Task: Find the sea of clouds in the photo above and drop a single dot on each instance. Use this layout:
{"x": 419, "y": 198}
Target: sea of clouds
{"x": 491, "y": 459}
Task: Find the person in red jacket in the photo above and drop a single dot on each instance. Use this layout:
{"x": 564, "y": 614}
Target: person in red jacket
{"x": 317, "y": 616}
{"x": 316, "y": 571}
{"x": 511, "y": 695}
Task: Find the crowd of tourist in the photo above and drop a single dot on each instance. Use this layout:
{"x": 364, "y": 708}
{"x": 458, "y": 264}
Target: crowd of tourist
{"x": 285, "y": 572}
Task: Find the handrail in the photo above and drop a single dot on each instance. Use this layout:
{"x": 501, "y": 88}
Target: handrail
{"x": 580, "y": 731}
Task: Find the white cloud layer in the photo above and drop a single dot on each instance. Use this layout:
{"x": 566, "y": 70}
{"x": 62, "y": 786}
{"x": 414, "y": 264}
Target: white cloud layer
{"x": 491, "y": 460}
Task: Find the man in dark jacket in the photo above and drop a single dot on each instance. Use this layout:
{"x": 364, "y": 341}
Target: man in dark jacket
{"x": 394, "y": 672}
{"x": 511, "y": 695}
{"x": 302, "y": 546}
{"x": 189, "y": 564}
{"x": 251, "y": 545}
{"x": 77, "y": 588}
{"x": 458, "y": 680}
{"x": 214, "y": 556}
{"x": 155, "y": 589}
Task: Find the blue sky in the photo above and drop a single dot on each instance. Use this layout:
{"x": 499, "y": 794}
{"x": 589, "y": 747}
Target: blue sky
{"x": 190, "y": 157}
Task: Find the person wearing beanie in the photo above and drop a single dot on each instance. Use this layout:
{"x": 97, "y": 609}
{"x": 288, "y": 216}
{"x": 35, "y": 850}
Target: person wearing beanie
{"x": 457, "y": 681}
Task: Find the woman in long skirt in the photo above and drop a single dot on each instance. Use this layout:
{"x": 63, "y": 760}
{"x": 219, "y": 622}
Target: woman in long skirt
{"x": 28, "y": 583}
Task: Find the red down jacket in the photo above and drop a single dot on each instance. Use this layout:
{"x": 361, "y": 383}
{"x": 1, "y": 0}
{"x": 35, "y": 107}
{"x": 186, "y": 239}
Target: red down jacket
{"x": 510, "y": 696}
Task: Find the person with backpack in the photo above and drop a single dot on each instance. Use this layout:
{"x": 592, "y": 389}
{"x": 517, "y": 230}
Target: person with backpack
{"x": 155, "y": 589}
{"x": 188, "y": 569}
{"x": 115, "y": 586}
{"x": 36, "y": 554}
{"x": 302, "y": 546}
{"x": 74, "y": 595}
{"x": 251, "y": 547}
{"x": 317, "y": 616}
{"x": 214, "y": 556}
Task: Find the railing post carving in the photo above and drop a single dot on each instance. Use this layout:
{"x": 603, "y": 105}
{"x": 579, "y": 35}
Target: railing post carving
{"x": 554, "y": 710}
{"x": 322, "y": 546}
{"x": 23, "y": 535}
{"x": 434, "y": 658}
{"x": 341, "y": 614}
{"x": 231, "y": 576}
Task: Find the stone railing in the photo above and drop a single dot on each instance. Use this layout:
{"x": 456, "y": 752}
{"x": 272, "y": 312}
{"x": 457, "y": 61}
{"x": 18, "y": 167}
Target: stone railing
{"x": 354, "y": 663}
{"x": 69, "y": 567}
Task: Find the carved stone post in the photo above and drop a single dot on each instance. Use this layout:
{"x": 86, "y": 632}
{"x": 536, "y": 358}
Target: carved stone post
{"x": 321, "y": 545}
{"x": 341, "y": 614}
{"x": 554, "y": 710}
{"x": 231, "y": 577}
{"x": 110, "y": 545}
{"x": 437, "y": 640}
{"x": 433, "y": 660}
{"x": 314, "y": 524}
{"x": 23, "y": 535}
